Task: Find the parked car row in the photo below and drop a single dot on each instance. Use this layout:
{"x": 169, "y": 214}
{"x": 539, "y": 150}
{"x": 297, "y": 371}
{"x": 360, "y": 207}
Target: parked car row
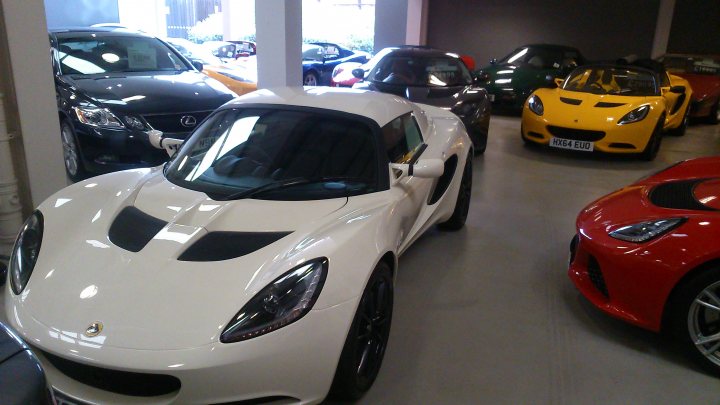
{"x": 293, "y": 205}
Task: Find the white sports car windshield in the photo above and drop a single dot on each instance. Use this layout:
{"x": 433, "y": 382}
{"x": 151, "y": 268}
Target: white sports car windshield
{"x": 278, "y": 154}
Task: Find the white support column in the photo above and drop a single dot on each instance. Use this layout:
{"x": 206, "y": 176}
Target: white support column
{"x": 279, "y": 37}
{"x": 416, "y": 27}
{"x": 662, "y": 27}
{"x": 34, "y": 90}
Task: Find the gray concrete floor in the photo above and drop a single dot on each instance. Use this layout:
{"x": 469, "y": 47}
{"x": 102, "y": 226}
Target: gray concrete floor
{"x": 487, "y": 315}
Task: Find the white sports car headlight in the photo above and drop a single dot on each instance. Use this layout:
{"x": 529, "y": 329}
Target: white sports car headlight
{"x": 644, "y": 231}
{"x": 281, "y": 303}
{"x": 25, "y": 252}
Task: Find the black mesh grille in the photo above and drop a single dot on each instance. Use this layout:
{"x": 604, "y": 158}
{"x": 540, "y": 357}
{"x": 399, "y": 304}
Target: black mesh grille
{"x": 678, "y": 195}
{"x": 576, "y": 134}
{"x": 572, "y": 101}
{"x": 172, "y": 122}
{"x": 119, "y": 382}
{"x": 596, "y": 277}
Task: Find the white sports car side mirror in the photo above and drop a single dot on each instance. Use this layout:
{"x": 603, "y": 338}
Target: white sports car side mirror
{"x": 423, "y": 168}
{"x": 157, "y": 140}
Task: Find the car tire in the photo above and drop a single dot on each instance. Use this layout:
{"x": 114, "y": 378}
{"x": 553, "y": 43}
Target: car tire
{"x": 691, "y": 318}
{"x": 714, "y": 117}
{"x": 653, "y": 145}
{"x": 71, "y": 152}
{"x": 462, "y": 205}
{"x": 311, "y": 79}
{"x": 680, "y": 130}
{"x": 479, "y": 141}
{"x": 367, "y": 339}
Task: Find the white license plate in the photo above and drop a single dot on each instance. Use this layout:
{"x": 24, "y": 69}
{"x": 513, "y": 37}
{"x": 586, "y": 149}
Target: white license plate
{"x": 491, "y": 97}
{"x": 584, "y": 146}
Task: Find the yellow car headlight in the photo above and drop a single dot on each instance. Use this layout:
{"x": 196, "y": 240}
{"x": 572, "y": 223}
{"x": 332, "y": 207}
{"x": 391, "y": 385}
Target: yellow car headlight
{"x": 635, "y": 115}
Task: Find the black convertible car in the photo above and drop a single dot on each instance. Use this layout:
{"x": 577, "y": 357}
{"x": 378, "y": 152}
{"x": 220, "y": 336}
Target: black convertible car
{"x": 113, "y": 86}
{"x": 431, "y": 76}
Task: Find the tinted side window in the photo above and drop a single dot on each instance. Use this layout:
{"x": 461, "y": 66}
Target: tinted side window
{"x": 402, "y": 138}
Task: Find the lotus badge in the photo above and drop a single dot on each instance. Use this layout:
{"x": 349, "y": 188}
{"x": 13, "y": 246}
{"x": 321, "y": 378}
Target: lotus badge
{"x": 94, "y": 329}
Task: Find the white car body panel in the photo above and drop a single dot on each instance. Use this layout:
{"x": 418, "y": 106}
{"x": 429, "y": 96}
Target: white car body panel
{"x": 165, "y": 316}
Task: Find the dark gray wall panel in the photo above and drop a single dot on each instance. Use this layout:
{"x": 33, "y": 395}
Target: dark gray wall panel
{"x": 485, "y": 29}
{"x": 695, "y": 27}
{"x": 78, "y": 13}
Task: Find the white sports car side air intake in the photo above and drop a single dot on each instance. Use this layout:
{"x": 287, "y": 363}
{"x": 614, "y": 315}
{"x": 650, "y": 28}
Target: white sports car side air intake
{"x": 257, "y": 264}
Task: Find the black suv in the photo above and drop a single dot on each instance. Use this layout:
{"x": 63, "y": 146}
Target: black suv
{"x": 113, "y": 86}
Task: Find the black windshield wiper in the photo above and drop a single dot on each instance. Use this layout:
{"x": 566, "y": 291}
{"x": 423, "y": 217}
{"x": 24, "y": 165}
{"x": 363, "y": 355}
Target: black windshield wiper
{"x": 295, "y": 181}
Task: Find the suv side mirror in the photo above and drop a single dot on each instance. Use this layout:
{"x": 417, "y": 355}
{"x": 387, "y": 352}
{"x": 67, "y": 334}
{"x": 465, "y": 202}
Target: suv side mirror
{"x": 198, "y": 65}
{"x": 157, "y": 140}
{"x": 359, "y": 73}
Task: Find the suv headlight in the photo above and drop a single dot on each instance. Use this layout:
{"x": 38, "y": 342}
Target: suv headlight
{"x": 25, "y": 252}
{"x": 644, "y": 231}
{"x": 635, "y": 115}
{"x": 535, "y": 105}
{"x": 281, "y": 303}
{"x": 97, "y": 117}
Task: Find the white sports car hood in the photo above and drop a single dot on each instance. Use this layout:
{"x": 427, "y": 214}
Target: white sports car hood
{"x": 153, "y": 297}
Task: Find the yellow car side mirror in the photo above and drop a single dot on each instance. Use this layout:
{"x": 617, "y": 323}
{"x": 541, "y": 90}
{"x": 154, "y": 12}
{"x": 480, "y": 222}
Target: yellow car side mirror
{"x": 559, "y": 81}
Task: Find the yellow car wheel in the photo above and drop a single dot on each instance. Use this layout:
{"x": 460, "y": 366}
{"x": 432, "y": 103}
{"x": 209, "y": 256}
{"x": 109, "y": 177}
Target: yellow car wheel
{"x": 653, "y": 146}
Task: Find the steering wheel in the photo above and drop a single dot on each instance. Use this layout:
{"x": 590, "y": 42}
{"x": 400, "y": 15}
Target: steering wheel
{"x": 253, "y": 152}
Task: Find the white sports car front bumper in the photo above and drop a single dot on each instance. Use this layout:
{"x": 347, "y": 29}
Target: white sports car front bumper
{"x": 296, "y": 363}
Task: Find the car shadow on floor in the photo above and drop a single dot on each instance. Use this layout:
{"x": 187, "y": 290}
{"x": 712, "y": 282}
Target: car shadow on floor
{"x": 627, "y": 335}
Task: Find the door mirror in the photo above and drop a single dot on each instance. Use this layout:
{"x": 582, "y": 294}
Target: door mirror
{"x": 358, "y": 73}
{"x": 677, "y": 89}
{"x": 3, "y": 269}
{"x": 559, "y": 81}
{"x": 198, "y": 65}
{"x": 171, "y": 145}
{"x": 423, "y": 168}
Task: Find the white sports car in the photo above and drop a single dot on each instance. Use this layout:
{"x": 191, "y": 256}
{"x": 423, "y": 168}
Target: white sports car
{"x": 257, "y": 264}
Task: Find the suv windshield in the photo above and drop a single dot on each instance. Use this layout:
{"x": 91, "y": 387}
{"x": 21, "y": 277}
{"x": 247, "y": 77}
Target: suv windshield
{"x": 437, "y": 71}
{"x": 278, "y": 154}
{"x": 89, "y": 55}
{"x": 612, "y": 80}
{"x": 704, "y": 65}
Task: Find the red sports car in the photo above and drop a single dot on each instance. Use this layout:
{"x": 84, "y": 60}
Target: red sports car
{"x": 649, "y": 254}
{"x": 703, "y": 73}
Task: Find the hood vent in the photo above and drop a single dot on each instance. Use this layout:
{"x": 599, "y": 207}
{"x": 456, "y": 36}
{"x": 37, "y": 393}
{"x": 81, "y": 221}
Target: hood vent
{"x": 603, "y": 104}
{"x": 216, "y": 246}
{"x": 678, "y": 195}
{"x": 572, "y": 101}
{"x": 133, "y": 229}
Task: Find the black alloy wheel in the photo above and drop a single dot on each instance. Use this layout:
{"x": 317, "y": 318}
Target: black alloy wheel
{"x": 462, "y": 206}
{"x": 367, "y": 339}
{"x": 680, "y": 130}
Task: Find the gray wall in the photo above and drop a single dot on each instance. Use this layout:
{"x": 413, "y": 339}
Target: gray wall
{"x": 390, "y": 23}
{"x": 695, "y": 27}
{"x": 76, "y": 13}
{"x": 485, "y": 29}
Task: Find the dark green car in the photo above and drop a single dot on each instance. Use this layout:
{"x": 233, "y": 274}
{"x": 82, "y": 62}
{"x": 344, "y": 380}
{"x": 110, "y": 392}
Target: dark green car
{"x": 510, "y": 80}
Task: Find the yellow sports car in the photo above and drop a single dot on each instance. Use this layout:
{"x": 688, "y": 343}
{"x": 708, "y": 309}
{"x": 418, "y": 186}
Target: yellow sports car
{"x": 608, "y": 108}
